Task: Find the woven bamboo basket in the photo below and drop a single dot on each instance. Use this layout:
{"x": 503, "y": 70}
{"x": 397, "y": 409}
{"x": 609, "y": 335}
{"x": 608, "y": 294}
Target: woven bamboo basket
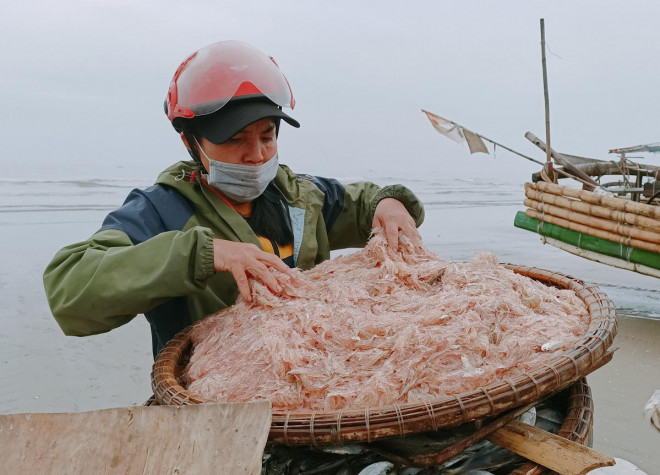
{"x": 430, "y": 452}
{"x": 346, "y": 426}
{"x": 577, "y": 425}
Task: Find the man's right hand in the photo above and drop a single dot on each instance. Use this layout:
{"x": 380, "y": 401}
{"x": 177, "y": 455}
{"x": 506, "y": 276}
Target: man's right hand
{"x": 245, "y": 260}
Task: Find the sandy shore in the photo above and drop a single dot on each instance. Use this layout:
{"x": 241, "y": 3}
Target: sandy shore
{"x": 621, "y": 388}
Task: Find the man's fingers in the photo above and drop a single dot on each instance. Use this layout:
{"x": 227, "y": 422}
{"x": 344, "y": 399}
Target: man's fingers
{"x": 273, "y": 261}
{"x": 398, "y": 227}
{"x": 245, "y": 261}
{"x": 266, "y": 277}
{"x": 259, "y": 267}
{"x": 392, "y": 235}
{"x": 411, "y": 231}
{"x": 243, "y": 285}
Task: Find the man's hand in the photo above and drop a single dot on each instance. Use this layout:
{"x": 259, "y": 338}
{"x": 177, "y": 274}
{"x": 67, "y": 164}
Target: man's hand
{"x": 243, "y": 259}
{"x": 393, "y": 217}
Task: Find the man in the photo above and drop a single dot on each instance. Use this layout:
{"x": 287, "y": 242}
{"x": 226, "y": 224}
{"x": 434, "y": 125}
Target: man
{"x": 185, "y": 247}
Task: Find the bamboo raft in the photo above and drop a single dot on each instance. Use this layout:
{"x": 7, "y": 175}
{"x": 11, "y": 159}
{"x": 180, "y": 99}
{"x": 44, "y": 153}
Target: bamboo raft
{"x": 602, "y": 228}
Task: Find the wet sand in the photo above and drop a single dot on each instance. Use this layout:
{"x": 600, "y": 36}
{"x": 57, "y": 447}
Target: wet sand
{"x": 45, "y": 371}
{"x": 620, "y": 390}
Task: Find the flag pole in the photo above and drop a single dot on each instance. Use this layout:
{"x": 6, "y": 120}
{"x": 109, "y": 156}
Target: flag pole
{"x": 485, "y": 138}
{"x": 509, "y": 149}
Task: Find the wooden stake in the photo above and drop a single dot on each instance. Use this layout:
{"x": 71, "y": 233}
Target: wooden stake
{"x": 549, "y": 450}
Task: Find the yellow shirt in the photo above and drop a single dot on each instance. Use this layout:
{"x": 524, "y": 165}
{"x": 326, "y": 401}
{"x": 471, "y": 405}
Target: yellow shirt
{"x": 284, "y": 252}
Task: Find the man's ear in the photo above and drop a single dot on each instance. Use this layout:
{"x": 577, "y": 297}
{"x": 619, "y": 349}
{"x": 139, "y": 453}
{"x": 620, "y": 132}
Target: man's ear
{"x": 184, "y": 139}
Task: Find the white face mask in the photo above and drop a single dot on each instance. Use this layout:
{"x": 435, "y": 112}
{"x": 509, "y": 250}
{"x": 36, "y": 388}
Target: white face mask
{"x": 241, "y": 183}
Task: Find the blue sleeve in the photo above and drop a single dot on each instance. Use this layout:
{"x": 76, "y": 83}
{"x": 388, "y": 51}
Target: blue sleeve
{"x": 333, "y": 201}
{"x": 147, "y": 213}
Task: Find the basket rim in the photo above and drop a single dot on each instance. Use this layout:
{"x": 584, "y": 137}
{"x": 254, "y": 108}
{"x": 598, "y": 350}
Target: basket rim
{"x": 355, "y": 425}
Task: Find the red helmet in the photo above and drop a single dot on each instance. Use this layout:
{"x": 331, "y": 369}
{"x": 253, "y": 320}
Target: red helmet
{"x": 218, "y": 73}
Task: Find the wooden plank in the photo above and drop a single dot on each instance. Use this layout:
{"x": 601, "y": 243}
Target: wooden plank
{"x": 227, "y": 437}
{"x": 554, "y": 452}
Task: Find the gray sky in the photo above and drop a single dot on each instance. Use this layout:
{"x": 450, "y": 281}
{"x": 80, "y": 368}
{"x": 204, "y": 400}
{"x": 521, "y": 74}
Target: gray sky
{"x": 83, "y": 82}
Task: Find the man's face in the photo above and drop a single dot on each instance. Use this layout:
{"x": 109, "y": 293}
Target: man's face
{"x": 254, "y": 145}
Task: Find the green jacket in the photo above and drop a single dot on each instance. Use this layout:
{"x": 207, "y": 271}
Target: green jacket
{"x": 154, "y": 255}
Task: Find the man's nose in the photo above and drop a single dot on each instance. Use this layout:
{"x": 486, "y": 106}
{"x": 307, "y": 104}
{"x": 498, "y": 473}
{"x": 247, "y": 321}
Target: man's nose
{"x": 255, "y": 152}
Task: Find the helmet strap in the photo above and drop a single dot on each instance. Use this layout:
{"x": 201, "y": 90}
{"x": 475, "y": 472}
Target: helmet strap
{"x": 188, "y": 139}
{"x": 277, "y": 125}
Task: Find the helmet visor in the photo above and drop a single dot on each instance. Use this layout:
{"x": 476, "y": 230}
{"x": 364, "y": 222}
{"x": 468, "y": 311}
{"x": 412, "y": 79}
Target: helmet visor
{"x": 226, "y": 70}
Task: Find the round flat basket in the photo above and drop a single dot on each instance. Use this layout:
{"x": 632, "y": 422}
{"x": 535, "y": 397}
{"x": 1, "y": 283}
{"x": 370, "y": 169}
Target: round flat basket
{"x": 366, "y": 425}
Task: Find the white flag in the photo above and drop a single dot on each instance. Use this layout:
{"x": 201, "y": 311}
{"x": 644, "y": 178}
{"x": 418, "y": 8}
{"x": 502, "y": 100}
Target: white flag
{"x": 456, "y": 132}
{"x": 474, "y": 142}
{"x": 446, "y": 127}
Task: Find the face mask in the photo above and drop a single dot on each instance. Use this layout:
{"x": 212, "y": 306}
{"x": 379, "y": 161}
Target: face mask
{"x": 241, "y": 183}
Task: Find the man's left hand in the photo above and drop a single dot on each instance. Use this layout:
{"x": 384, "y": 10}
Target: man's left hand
{"x": 394, "y": 218}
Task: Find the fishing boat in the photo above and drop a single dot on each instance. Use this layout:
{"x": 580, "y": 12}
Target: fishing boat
{"x": 608, "y": 213}
{"x": 632, "y": 180}
{"x": 608, "y": 228}
{"x": 615, "y": 221}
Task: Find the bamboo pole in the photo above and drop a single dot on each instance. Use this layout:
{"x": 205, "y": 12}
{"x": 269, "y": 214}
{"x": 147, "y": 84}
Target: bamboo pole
{"x": 579, "y": 175}
{"x": 608, "y": 201}
{"x": 495, "y": 143}
{"x": 603, "y": 259}
{"x": 593, "y": 210}
{"x": 545, "y": 93}
{"x": 624, "y": 230}
{"x": 582, "y": 228}
{"x": 509, "y": 149}
{"x": 587, "y": 242}
{"x": 609, "y": 168}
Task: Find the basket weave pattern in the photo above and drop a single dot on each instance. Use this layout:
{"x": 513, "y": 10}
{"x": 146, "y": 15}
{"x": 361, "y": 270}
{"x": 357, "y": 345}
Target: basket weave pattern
{"x": 346, "y": 426}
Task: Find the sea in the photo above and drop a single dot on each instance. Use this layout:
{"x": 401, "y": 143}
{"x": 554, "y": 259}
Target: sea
{"x": 45, "y": 371}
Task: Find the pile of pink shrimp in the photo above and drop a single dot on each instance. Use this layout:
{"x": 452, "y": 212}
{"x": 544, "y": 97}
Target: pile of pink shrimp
{"x": 376, "y": 328}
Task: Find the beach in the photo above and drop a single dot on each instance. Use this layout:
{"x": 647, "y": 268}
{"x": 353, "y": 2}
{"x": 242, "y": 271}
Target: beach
{"x": 45, "y": 371}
